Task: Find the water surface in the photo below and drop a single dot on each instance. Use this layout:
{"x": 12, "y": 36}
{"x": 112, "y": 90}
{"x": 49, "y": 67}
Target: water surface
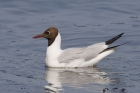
{"x": 80, "y": 23}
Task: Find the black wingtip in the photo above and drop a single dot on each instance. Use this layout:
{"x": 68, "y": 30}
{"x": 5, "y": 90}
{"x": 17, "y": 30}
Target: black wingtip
{"x": 110, "y": 41}
{"x": 114, "y": 47}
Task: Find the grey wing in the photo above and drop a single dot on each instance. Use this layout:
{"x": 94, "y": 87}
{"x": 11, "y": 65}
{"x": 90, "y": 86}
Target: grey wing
{"x": 93, "y": 51}
{"x": 71, "y": 54}
{"x": 87, "y": 53}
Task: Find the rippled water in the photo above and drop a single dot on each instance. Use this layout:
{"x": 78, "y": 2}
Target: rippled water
{"x": 81, "y": 23}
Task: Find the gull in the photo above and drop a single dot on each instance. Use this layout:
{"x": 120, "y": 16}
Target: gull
{"x": 75, "y": 57}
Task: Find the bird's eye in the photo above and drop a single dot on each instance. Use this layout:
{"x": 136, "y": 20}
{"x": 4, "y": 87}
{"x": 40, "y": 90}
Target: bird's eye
{"x": 48, "y": 32}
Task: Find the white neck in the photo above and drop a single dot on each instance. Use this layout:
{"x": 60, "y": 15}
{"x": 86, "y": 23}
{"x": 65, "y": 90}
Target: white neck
{"x": 54, "y": 49}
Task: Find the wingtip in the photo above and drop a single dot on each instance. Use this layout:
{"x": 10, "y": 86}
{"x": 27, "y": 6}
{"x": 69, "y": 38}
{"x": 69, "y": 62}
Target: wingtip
{"x": 114, "y": 47}
{"x": 122, "y": 33}
{"x": 114, "y": 39}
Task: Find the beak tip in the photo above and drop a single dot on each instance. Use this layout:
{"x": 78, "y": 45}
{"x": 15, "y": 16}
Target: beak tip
{"x": 37, "y": 36}
{"x": 33, "y": 37}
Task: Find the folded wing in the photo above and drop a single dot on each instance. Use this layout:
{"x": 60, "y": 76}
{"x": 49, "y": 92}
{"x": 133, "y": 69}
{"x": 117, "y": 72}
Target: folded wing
{"x": 86, "y": 53}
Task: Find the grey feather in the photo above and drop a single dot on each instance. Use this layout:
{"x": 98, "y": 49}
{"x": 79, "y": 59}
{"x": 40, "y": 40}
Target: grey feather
{"x": 86, "y": 53}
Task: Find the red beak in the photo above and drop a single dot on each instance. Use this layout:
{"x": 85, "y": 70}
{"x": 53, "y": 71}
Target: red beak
{"x": 38, "y": 36}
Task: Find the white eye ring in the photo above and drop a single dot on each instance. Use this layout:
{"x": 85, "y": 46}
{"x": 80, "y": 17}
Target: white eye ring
{"x": 48, "y": 32}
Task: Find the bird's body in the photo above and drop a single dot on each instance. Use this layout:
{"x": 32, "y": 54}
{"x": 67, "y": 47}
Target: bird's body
{"x": 74, "y": 57}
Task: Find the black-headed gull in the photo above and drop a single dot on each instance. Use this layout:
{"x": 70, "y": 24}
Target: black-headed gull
{"x": 74, "y": 57}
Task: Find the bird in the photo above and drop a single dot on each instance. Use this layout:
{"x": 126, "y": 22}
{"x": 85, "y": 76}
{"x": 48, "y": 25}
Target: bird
{"x": 77, "y": 56}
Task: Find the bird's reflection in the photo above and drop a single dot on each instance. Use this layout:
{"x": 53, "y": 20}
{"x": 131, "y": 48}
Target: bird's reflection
{"x": 73, "y": 77}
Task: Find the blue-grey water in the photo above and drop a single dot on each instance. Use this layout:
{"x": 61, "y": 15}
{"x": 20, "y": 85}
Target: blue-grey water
{"x": 81, "y": 23}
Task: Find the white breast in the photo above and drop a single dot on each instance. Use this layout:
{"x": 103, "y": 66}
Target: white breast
{"x": 53, "y": 52}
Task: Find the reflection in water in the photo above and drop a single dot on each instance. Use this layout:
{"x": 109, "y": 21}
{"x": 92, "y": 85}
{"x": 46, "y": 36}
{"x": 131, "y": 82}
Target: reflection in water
{"x": 74, "y": 77}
